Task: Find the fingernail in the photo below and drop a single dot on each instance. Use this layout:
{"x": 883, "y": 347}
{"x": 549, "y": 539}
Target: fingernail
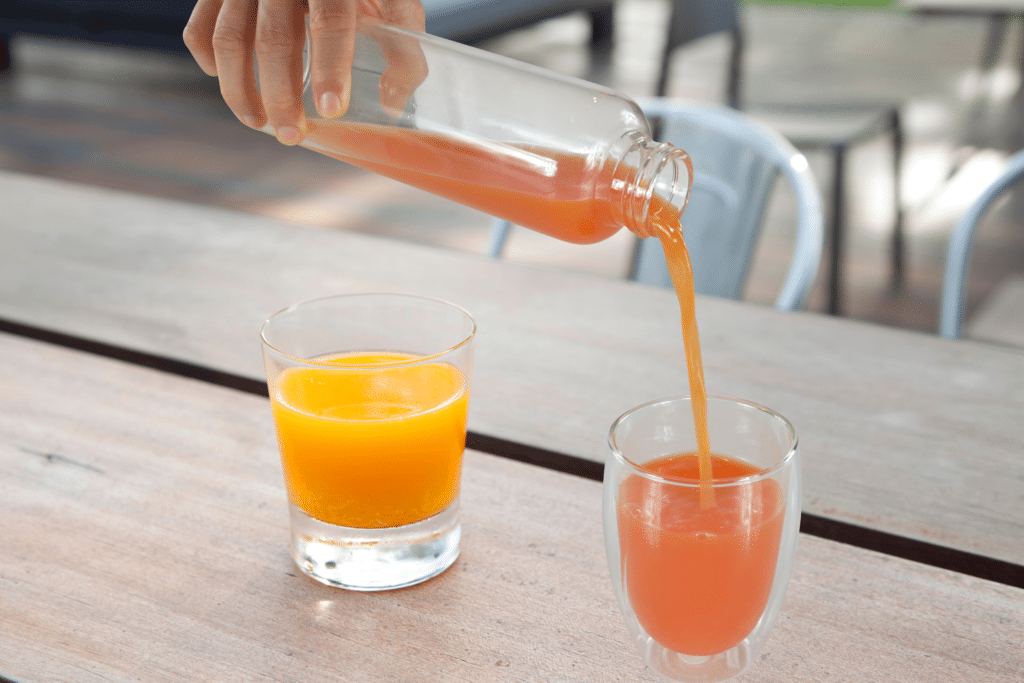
{"x": 330, "y": 105}
{"x": 289, "y": 135}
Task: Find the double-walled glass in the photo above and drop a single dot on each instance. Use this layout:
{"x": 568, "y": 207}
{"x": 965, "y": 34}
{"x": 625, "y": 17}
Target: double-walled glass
{"x": 700, "y": 570}
{"x": 369, "y": 395}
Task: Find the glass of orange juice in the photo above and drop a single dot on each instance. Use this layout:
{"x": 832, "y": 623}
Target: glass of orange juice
{"x": 369, "y": 394}
{"x": 700, "y": 576}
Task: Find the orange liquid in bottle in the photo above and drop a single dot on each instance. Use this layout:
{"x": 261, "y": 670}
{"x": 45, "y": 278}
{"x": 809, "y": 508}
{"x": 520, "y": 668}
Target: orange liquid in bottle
{"x": 371, "y": 446}
{"x": 540, "y": 189}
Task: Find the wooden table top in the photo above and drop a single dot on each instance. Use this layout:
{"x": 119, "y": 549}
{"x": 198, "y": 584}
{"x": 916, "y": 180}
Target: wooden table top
{"x": 901, "y": 432}
{"x": 144, "y": 535}
{"x": 143, "y": 518}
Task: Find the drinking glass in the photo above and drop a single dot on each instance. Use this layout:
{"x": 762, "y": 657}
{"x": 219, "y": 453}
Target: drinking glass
{"x": 700, "y": 570}
{"x": 369, "y": 394}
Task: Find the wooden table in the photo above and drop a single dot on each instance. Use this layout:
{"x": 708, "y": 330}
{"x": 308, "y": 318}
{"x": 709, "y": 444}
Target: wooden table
{"x": 143, "y": 524}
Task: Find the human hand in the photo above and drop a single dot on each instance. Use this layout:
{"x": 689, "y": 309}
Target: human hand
{"x": 225, "y": 36}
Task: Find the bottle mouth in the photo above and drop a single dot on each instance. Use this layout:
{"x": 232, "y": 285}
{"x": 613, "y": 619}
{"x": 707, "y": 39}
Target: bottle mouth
{"x": 655, "y": 179}
{"x": 666, "y": 176}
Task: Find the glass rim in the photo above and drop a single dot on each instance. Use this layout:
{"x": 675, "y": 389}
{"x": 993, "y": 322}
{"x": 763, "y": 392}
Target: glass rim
{"x": 360, "y": 295}
{"x": 715, "y": 483}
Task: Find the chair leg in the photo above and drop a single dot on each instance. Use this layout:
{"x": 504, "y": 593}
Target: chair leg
{"x": 732, "y": 92}
{"x": 661, "y": 87}
{"x": 998, "y": 23}
{"x": 835, "y": 279}
{"x": 5, "y": 53}
{"x": 602, "y": 28}
{"x": 497, "y": 237}
{"x": 898, "y": 247}
{"x": 634, "y": 263}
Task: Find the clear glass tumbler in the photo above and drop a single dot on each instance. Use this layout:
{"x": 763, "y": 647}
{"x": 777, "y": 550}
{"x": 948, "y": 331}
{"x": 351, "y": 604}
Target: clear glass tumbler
{"x": 369, "y": 394}
{"x": 700, "y": 574}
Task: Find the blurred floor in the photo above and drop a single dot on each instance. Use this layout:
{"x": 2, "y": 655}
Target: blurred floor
{"x": 155, "y": 124}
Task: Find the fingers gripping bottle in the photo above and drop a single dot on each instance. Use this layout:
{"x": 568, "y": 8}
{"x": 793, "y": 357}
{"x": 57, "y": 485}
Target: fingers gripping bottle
{"x": 555, "y": 154}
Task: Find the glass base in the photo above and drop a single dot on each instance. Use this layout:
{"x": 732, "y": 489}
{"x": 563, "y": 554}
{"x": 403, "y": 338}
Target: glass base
{"x": 692, "y": 669}
{"x": 375, "y": 559}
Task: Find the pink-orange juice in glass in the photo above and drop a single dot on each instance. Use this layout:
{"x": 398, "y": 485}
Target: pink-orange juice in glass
{"x": 699, "y": 578}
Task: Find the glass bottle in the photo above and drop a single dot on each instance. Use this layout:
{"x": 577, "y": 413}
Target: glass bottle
{"x": 552, "y": 153}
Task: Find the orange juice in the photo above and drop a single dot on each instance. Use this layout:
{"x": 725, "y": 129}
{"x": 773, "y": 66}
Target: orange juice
{"x": 699, "y": 578}
{"x": 371, "y": 440}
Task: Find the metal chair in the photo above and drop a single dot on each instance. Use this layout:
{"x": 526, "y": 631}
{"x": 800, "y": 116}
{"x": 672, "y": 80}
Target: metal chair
{"x": 469, "y": 21}
{"x": 736, "y": 161}
{"x": 954, "y": 284}
{"x": 691, "y": 20}
{"x": 832, "y": 127}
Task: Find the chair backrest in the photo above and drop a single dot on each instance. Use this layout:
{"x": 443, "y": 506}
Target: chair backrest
{"x": 736, "y": 161}
{"x": 472, "y": 20}
{"x": 954, "y": 283}
{"x": 690, "y": 20}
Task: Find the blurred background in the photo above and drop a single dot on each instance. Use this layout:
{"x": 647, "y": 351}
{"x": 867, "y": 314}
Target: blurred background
{"x": 89, "y": 101}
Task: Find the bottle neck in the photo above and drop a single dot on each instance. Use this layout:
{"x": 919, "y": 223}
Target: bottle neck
{"x": 650, "y": 184}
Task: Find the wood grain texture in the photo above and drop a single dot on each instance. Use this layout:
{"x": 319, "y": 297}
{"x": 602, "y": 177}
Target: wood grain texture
{"x": 144, "y": 528}
{"x": 903, "y": 432}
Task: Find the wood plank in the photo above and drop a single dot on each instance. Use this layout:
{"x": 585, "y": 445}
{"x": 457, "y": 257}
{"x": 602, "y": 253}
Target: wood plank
{"x": 143, "y": 523}
{"x": 902, "y": 432}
